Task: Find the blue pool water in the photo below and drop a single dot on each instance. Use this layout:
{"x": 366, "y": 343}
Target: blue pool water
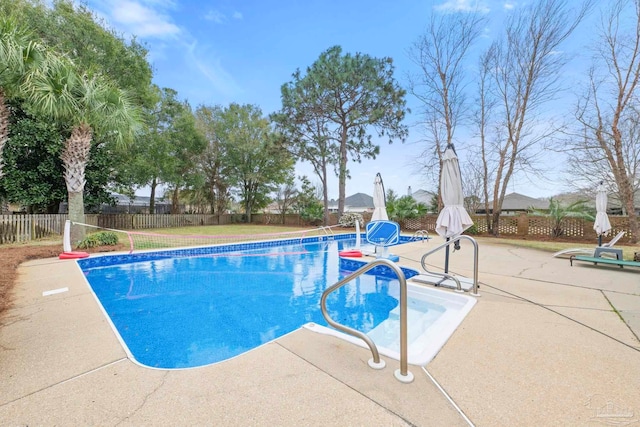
{"x": 179, "y": 312}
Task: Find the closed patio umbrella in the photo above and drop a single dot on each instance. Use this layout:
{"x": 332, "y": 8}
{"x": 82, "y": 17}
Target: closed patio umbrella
{"x": 453, "y": 218}
{"x": 601, "y": 225}
{"x": 379, "y": 203}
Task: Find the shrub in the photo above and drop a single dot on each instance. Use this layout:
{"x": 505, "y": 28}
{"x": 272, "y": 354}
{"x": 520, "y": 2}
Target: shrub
{"x": 473, "y": 230}
{"x": 349, "y": 220}
{"x": 101, "y": 238}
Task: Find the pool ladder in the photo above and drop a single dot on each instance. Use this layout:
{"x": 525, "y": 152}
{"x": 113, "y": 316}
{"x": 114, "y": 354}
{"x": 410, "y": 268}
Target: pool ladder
{"x": 445, "y": 275}
{"x": 421, "y": 235}
{"x": 403, "y": 375}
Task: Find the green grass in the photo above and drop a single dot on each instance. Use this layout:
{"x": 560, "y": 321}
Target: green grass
{"x": 226, "y": 230}
{"x": 220, "y": 234}
{"x": 555, "y": 246}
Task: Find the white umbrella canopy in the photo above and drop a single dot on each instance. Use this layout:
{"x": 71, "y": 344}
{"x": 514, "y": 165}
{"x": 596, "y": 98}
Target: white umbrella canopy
{"x": 453, "y": 218}
{"x": 379, "y": 204}
{"x": 602, "y": 225}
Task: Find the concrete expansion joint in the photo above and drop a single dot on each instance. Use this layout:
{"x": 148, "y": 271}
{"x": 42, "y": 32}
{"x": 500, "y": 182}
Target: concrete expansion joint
{"x": 449, "y": 398}
{"x": 63, "y": 381}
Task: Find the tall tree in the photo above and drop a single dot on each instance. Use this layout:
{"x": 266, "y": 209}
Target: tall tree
{"x": 347, "y": 97}
{"x": 440, "y": 54}
{"x": 151, "y": 162}
{"x": 608, "y": 139}
{"x": 73, "y": 29}
{"x": 32, "y": 173}
{"x": 186, "y": 144}
{"x": 86, "y": 104}
{"x": 285, "y": 197}
{"x": 212, "y": 123}
{"x": 524, "y": 69}
{"x": 305, "y": 125}
{"x": 20, "y": 56}
{"x": 258, "y": 162}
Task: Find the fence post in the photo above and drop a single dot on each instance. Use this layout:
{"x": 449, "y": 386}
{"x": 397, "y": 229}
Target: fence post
{"x": 523, "y": 224}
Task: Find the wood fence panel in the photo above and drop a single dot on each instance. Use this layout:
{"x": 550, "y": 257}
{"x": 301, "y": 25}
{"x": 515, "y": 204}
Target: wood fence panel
{"x": 24, "y": 228}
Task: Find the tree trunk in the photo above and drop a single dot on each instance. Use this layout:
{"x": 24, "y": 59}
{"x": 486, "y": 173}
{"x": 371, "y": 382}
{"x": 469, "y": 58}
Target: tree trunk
{"x": 75, "y": 157}
{"x": 76, "y": 214}
{"x": 152, "y": 196}
{"x": 4, "y": 126}
{"x": 342, "y": 174}
{"x": 495, "y": 222}
{"x": 325, "y": 195}
{"x": 628, "y": 202}
{"x": 4, "y": 137}
{"x": 175, "y": 201}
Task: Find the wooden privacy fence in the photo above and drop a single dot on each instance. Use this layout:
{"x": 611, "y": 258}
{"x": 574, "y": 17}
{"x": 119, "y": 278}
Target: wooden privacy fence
{"x": 147, "y": 221}
{"x": 23, "y": 228}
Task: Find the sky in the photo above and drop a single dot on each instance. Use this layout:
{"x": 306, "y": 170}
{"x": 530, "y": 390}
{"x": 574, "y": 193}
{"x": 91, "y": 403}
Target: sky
{"x": 222, "y": 51}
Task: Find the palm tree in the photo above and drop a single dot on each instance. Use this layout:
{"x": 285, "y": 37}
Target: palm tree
{"x": 405, "y": 207}
{"x": 19, "y": 56}
{"x": 87, "y": 104}
{"x": 558, "y": 213}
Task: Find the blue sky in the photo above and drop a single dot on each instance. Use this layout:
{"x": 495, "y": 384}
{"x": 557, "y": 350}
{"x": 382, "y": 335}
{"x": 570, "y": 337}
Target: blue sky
{"x": 218, "y": 52}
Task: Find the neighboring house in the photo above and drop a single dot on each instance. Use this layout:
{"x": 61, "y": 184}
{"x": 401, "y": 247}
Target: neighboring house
{"x": 139, "y": 204}
{"x": 423, "y": 196}
{"x": 515, "y": 202}
{"x": 358, "y": 203}
{"x": 613, "y": 203}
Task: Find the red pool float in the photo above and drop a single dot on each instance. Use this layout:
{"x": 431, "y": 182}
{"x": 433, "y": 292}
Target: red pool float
{"x": 351, "y": 254}
{"x": 73, "y": 255}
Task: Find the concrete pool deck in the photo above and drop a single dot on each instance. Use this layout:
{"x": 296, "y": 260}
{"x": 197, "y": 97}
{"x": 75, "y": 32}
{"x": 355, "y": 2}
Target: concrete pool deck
{"x": 546, "y": 344}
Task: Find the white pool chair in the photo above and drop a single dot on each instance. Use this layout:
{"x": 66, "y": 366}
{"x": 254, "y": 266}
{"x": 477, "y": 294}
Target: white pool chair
{"x": 589, "y": 251}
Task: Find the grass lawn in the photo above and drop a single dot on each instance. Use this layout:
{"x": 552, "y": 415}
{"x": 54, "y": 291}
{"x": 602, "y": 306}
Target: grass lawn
{"x": 228, "y": 230}
{"x": 555, "y": 245}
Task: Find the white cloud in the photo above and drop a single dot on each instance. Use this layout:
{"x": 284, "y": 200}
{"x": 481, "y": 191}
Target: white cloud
{"x": 221, "y": 81}
{"x": 220, "y": 18}
{"x": 144, "y": 18}
{"x": 508, "y": 5}
{"x": 215, "y": 16}
{"x": 462, "y": 6}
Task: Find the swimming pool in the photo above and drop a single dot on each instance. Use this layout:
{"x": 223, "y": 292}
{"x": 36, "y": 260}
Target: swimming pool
{"x": 176, "y": 311}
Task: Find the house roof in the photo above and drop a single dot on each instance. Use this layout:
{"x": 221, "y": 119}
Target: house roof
{"x": 423, "y": 196}
{"x": 520, "y": 202}
{"x": 613, "y": 201}
{"x": 355, "y": 201}
{"x": 123, "y": 200}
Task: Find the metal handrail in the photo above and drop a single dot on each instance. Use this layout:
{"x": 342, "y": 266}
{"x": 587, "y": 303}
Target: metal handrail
{"x": 401, "y": 374}
{"x": 448, "y": 276}
{"x": 424, "y": 234}
{"x": 327, "y": 227}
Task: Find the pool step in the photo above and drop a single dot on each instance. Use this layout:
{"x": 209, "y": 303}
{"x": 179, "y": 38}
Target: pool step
{"x": 432, "y": 279}
{"x": 387, "y": 333}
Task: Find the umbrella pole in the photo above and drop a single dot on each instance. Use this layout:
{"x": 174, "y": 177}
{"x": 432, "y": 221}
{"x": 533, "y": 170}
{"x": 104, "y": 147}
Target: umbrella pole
{"x": 446, "y": 257}
{"x": 599, "y": 239}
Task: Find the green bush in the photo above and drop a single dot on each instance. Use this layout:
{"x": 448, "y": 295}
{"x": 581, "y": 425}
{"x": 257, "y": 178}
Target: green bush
{"x": 101, "y": 238}
{"x": 349, "y": 220}
{"x": 473, "y": 230}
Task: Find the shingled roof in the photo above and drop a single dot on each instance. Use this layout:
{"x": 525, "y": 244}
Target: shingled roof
{"x": 520, "y": 202}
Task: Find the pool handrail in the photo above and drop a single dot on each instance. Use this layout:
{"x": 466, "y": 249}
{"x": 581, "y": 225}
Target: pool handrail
{"x": 420, "y": 234}
{"x": 448, "y": 276}
{"x": 402, "y": 374}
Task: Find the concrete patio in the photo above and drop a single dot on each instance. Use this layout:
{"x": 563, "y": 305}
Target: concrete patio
{"x": 546, "y": 344}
